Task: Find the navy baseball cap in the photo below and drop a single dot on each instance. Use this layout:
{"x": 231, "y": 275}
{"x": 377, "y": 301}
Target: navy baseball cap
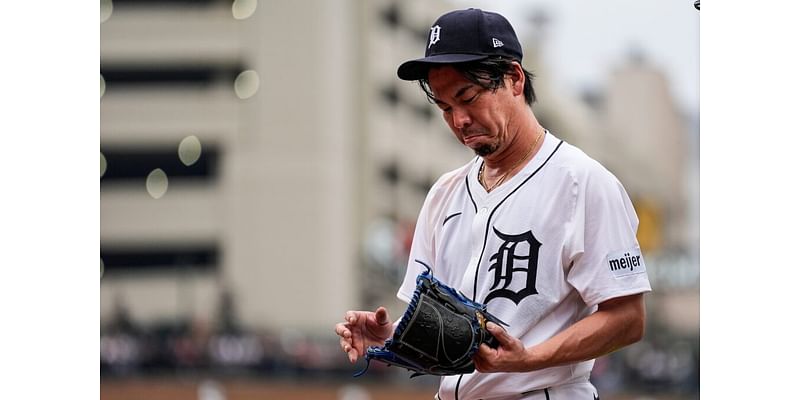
{"x": 462, "y": 36}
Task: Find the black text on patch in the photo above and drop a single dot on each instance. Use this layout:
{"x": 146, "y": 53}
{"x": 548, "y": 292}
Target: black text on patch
{"x": 627, "y": 262}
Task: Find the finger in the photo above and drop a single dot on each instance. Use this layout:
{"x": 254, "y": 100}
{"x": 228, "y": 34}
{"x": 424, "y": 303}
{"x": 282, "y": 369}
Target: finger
{"x": 352, "y": 355}
{"x": 479, "y": 365}
{"x": 345, "y": 345}
{"x": 382, "y": 316}
{"x": 484, "y": 358}
{"x": 499, "y": 333}
{"x": 484, "y": 351}
{"x": 342, "y": 330}
{"x": 350, "y": 317}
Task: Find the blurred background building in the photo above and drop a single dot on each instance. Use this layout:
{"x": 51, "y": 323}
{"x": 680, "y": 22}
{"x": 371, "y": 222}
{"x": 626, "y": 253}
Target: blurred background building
{"x": 262, "y": 169}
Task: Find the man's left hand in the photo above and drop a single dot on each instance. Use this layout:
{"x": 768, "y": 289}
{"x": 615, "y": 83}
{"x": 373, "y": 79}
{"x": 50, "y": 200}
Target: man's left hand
{"x": 509, "y": 356}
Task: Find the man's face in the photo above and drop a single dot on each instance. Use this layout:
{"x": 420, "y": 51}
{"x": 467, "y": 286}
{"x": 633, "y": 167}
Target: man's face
{"x": 478, "y": 117}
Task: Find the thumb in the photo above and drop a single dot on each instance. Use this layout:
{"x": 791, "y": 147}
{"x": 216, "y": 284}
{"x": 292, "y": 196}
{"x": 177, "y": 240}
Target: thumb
{"x": 381, "y": 316}
{"x": 498, "y": 332}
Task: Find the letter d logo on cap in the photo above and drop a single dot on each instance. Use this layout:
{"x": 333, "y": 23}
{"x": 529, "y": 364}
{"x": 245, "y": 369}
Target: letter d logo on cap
{"x": 434, "y": 35}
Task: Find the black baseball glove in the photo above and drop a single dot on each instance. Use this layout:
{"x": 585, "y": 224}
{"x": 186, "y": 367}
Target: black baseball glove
{"x": 439, "y": 332}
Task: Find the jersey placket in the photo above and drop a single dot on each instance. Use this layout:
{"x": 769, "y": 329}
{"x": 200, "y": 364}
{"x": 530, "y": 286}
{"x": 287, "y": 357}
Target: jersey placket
{"x": 477, "y": 236}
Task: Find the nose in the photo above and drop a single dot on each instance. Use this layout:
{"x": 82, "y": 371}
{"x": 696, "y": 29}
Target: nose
{"x": 461, "y": 119}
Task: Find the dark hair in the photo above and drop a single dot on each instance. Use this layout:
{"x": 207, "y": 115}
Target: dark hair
{"x": 489, "y": 74}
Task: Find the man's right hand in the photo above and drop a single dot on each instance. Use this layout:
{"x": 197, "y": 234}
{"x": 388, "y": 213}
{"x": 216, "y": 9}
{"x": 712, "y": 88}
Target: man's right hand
{"x": 362, "y": 329}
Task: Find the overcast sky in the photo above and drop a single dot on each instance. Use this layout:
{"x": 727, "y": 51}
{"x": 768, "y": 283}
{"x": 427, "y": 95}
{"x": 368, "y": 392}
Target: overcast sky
{"x": 586, "y": 39}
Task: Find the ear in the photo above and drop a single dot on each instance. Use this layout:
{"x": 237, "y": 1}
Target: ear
{"x": 517, "y": 78}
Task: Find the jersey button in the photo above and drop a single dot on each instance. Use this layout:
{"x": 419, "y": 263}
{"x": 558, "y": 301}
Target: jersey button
{"x": 484, "y": 210}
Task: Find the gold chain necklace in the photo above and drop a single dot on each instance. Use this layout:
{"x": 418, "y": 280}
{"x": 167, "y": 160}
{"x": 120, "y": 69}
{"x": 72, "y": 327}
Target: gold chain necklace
{"x": 505, "y": 175}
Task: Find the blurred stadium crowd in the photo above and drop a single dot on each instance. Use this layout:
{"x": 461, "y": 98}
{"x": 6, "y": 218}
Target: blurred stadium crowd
{"x": 662, "y": 363}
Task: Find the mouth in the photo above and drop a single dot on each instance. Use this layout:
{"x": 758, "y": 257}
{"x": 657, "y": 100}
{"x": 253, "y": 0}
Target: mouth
{"x": 472, "y": 139}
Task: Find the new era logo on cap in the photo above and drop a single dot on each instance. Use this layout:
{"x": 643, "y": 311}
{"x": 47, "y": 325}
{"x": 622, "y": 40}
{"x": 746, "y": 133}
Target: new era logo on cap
{"x": 463, "y": 36}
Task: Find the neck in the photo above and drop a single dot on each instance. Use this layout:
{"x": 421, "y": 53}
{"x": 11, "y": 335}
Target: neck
{"x": 521, "y": 148}
{"x": 492, "y": 177}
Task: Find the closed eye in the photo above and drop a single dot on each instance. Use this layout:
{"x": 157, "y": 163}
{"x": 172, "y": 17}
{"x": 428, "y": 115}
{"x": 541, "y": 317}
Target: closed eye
{"x": 444, "y": 107}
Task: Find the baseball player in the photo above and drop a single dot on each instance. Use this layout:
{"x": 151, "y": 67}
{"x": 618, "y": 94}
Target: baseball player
{"x": 532, "y": 227}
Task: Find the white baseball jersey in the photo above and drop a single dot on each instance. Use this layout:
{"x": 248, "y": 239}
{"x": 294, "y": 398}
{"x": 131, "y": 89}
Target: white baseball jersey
{"x": 541, "y": 250}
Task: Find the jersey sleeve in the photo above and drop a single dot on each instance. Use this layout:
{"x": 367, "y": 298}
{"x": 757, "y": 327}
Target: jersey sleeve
{"x": 423, "y": 245}
{"x": 421, "y": 249}
{"x": 605, "y": 260}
